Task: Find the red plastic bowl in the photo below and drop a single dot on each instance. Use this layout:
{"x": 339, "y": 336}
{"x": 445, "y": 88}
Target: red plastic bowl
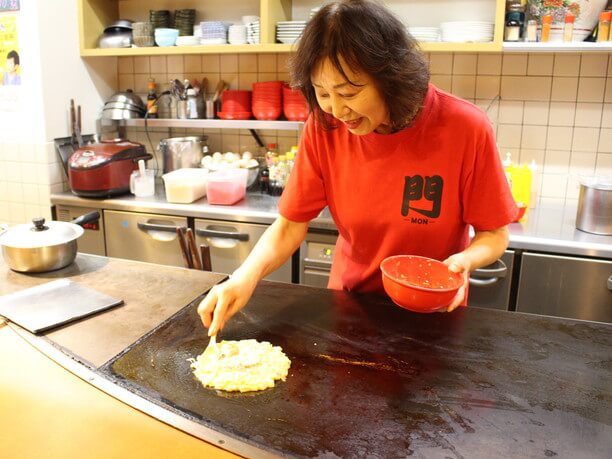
{"x": 419, "y": 284}
{"x": 234, "y": 115}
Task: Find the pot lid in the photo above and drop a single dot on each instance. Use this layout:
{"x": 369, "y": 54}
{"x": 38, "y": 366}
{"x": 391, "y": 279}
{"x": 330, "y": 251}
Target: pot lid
{"x": 597, "y": 182}
{"x": 40, "y": 234}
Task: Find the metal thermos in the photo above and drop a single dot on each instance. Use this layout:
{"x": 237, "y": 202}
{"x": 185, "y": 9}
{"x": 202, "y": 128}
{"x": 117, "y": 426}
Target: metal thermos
{"x": 182, "y": 152}
{"x": 594, "y": 213}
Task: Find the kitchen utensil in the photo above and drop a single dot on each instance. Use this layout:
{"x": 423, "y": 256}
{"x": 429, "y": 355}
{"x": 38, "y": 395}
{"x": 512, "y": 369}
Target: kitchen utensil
{"x": 142, "y": 182}
{"x": 124, "y": 106}
{"x": 419, "y": 284}
{"x": 121, "y": 38}
{"x": 65, "y": 147}
{"x": 594, "y": 213}
{"x": 182, "y": 152}
{"x": 53, "y": 304}
{"x": 128, "y": 97}
{"x": 184, "y": 249}
{"x": 43, "y": 246}
{"x": 195, "y": 255}
{"x": 103, "y": 169}
{"x": 119, "y": 25}
{"x": 121, "y": 114}
{"x": 205, "y": 256}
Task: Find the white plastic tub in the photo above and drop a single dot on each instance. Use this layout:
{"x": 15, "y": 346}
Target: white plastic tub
{"x": 185, "y": 185}
{"x": 226, "y": 187}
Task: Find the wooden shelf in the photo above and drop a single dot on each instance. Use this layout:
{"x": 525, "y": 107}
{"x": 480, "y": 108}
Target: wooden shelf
{"x": 173, "y": 50}
{"x": 557, "y": 47}
{"x": 94, "y": 15}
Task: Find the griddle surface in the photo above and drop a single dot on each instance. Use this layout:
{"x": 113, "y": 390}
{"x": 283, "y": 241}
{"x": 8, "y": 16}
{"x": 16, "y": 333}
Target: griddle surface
{"x": 369, "y": 379}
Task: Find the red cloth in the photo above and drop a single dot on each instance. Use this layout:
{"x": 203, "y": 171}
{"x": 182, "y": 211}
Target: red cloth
{"x": 412, "y": 192}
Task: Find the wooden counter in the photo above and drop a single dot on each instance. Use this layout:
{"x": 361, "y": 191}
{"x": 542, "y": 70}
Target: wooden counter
{"x": 46, "y": 411}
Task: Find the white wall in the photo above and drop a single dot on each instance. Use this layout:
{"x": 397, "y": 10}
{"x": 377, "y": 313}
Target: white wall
{"x": 52, "y": 73}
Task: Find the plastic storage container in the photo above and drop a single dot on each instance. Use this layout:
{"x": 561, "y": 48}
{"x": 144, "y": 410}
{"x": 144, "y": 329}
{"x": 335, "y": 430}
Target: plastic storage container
{"x": 185, "y": 185}
{"x": 226, "y": 187}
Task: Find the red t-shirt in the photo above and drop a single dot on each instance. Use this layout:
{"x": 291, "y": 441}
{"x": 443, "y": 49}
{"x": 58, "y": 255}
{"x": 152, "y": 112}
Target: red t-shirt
{"x": 412, "y": 192}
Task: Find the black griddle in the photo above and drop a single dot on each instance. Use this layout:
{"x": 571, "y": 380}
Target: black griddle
{"x": 369, "y": 379}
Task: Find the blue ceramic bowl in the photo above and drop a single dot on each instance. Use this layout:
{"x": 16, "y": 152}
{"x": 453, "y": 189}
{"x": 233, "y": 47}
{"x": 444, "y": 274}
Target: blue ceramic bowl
{"x": 166, "y": 37}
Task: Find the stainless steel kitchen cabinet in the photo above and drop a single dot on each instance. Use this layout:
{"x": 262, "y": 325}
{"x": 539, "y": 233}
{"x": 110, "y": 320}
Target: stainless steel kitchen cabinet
{"x": 231, "y": 242}
{"x": 92, "y": 240}
{"x": 316, "y": 254}
{"x": 490, "y": 286}
{"x": 572, "y": 287}
{"x": 143, "y": 237}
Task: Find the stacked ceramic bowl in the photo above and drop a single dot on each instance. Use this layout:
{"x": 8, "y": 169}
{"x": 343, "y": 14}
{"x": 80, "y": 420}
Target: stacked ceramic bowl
{"x": 289, "y": 32}
{"x": 183, "y": 21}
{"x": 253, "y": 32}
{"x": 467, "y": 31}
{"x": 160, "y": 18}
{"x": 425, "y": 34}
{"x": 295, "y": 106}
{"x": 237, "y": 34}
{"x": 235, "y": 105}
{"x": 213, "y": 33}
{"x": 267, "y": 100}
{"x": 142, "y": 34}
{"x": 166, "y": 37}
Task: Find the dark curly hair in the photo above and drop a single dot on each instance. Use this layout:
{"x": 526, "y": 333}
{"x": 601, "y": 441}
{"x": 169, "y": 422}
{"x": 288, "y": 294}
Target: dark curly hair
{"x": 369, "y": 38}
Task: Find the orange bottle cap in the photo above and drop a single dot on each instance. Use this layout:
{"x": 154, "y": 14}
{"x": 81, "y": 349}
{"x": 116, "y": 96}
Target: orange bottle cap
{"x": 569, "y": 18}
{"x": 547, "y": 19}
{"x": 607, "y": 15}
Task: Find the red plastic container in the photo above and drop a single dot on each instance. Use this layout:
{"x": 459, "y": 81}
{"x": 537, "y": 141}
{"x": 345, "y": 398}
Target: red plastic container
{"x": 235, "y": 101}
{"x": 419, "y": 284}
{"x": 295, "y": 106}
{"x": 226, "y": 187}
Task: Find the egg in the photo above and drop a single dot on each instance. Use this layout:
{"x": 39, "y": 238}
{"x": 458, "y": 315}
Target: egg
{"x": 247, "y": 155}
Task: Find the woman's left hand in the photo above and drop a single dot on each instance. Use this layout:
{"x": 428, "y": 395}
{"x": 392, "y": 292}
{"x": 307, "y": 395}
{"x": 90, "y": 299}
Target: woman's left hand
{"x": 458, "y": 263}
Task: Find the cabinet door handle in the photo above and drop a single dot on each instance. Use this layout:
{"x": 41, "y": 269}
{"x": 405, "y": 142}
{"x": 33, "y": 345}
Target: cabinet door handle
{"x": 158, "y": 227}
{"x": 489, "y": 274}
{"x": 610, "y": 283}
{"x": 222, "y": 234}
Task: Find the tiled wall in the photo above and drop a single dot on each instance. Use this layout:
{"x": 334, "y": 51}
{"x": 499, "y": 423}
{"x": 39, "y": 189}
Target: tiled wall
{"x": 29, "y": 173}
{"x": 553, "y": 108}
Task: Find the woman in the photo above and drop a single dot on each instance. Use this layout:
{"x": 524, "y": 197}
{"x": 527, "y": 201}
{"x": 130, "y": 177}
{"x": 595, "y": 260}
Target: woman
{"x": 404, "y": 167}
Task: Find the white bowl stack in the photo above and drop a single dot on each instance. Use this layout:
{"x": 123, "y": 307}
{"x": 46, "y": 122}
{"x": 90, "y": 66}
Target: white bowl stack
{"x": 237, "y": 34}
{"x": 252, "y": 26}
{"x": 425, "y": 34}
{"x": 289, "y": 32}
{"x": 467, "y": 31}
{"x": 213, "y": 33}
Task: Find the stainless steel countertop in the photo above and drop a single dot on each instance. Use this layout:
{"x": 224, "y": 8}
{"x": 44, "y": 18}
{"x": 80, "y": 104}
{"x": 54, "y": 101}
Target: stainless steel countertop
{"x": 547, "y": 228}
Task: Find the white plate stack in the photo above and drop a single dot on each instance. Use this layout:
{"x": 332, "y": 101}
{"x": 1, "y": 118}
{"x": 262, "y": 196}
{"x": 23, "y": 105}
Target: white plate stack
{"x": 237, "y": 34}
{"x": 289, "y": 32}
{"x": 467, "y": 31}
{"x": 213, "y": 33}
{"x": 425, "y": 34}
{"x": 253, "y": 32}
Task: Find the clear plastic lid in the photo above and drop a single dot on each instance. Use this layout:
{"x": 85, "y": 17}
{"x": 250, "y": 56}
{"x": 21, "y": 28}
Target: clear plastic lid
{"x": 48, "y": 234}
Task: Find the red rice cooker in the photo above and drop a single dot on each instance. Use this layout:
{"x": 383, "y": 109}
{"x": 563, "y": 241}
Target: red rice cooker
{"x": 103, "y": 169}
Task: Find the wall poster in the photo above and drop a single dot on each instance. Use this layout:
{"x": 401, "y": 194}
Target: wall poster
{"x": 10, "y": 64}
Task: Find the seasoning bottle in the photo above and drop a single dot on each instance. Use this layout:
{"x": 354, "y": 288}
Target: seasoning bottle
{"x": 546, "y": 22}
{"x": 514, "y": 20}
{"x": 192, "y": 104}
{"x": 151, "y": 99}
{"x": 568, "y": 29}
{"x": 532, "y": 30}
{"x": 603, "y": 29}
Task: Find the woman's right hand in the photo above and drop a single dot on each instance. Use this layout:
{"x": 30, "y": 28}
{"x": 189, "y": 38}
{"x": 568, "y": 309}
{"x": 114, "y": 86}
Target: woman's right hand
{"x": 223, "y": 301}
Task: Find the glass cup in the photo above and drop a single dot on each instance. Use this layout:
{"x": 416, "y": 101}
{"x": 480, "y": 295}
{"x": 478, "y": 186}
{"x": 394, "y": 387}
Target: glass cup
{"x": 142, "y": 185}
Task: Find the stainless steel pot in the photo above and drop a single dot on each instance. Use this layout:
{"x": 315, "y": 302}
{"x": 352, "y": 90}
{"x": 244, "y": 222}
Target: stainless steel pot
{"x": 594, "y": 213}
{"x": 181, "y": 152}
{"x": 42, "y": 247}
